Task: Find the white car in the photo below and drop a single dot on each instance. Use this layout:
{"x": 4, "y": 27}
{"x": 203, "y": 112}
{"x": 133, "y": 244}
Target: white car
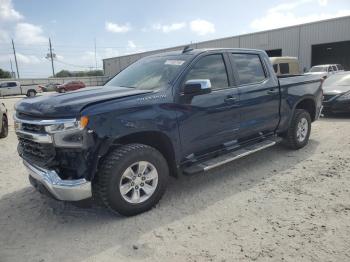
{"x": 326, "y": 70}
{"x": 12, "y": 88}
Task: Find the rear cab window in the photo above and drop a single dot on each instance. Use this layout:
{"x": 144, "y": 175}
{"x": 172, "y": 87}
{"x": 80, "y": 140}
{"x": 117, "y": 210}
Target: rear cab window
{"x": 340, "y": 67}
{"x": 249, "y": 68}
{"x": 284, "y": 68}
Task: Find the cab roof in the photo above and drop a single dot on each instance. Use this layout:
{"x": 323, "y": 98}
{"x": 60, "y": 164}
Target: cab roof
{"x": 195, "y": 52}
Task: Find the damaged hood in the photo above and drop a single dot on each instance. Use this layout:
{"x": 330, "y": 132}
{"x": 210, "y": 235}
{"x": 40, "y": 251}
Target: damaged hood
{"x": 70, "y": 104}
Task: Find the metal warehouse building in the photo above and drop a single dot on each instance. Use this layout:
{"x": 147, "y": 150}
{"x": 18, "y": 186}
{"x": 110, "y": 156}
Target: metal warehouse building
{"x": 321, "y": 42}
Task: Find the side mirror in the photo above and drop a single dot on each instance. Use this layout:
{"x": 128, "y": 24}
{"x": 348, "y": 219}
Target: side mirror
{"x": 197, "y": 87}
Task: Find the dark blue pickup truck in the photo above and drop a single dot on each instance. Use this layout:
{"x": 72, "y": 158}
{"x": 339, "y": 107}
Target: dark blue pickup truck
{"x": 168, "y": 114}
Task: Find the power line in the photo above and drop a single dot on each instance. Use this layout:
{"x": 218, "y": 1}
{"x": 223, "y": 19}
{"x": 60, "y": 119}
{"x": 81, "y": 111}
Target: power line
{"x": 14, "y": 53}
{"x": 95, "y": 55}
{"x": 53, "y": 69}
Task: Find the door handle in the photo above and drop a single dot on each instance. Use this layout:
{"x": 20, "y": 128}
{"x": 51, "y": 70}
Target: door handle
{"x": 230, "y": 99}
{"x": 273, "y": 91}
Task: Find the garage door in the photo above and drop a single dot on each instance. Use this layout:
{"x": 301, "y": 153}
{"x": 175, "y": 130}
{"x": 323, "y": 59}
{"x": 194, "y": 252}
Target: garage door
{"x": 332, "y": 53}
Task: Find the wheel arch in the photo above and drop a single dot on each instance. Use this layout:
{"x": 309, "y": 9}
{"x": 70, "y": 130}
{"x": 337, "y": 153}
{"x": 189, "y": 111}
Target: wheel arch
{"x": 155, "y": 139}
{"x": 307, "y": 103}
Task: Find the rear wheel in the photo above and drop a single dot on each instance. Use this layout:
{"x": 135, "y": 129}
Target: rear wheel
{"x": 299, "y": 130}
{"x": 31, "y": 93}
{"x": 4, "y": 127}
{"x": 62, "y": 90}
{"x": 132, "y": 179}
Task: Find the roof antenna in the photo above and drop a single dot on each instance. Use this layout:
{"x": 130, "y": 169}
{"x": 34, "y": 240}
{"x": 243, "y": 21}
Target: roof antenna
{"x": 187, "y": 49}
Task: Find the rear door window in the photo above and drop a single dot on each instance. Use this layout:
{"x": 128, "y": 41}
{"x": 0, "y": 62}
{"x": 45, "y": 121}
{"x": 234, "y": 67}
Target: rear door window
{"x": 334, "y": 68}
{"x": 249, "y": 68}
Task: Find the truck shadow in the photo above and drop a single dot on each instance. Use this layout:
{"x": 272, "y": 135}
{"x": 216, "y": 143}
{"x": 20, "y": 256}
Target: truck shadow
{"x": 31, "y": 224}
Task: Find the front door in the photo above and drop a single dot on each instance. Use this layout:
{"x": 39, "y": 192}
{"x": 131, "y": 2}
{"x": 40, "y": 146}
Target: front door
{"x": 208, "y": 121}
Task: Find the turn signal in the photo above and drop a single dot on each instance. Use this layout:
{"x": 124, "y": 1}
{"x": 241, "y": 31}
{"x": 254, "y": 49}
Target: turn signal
{"x": 84, "y": 120}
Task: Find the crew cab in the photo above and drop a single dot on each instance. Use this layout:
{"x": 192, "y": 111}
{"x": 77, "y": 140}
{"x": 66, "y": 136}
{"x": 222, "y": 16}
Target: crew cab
{"x": 183, "y": 112}
{"x": 13, "y": 88}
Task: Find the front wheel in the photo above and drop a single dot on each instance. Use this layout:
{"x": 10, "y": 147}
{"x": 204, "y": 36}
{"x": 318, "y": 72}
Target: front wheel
{"x": 132, "y": 179}
{"x": 299, "y": 130}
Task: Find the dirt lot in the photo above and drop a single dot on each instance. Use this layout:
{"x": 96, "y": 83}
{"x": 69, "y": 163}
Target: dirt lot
{"x": 275, "y": 205}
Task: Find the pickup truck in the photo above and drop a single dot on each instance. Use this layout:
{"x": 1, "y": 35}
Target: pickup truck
{"x": 183, "y": 112}
{"x": 12, "y": 88}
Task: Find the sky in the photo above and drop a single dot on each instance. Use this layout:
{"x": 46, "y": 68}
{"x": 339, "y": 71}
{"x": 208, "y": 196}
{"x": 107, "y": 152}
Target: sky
{"x": 125, "y": 27}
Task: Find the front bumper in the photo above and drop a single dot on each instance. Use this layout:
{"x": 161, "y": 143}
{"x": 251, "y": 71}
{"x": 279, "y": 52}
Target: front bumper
{"x": 66, "y": 190}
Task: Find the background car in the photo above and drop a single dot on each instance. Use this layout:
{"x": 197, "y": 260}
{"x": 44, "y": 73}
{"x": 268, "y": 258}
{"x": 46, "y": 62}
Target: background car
{"x": 4, "y": 127}
{"x": 326, "y": 70}
{"x": 336, "y": 93}
{"x": 13, "y": 88}
{"x": 70, "y": 86}
{"x": 49, "y": 87}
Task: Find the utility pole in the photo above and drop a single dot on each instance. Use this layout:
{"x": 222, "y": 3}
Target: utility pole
{"x": 51, "y": 57}
{"x": 12, "y": 73}
{"x": 14, "y": 54}
{"x": 95, "y": 55}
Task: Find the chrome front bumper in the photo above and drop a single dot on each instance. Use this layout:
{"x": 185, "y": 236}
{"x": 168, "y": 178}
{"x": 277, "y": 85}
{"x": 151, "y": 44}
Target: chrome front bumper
{"x": 66, "y": 190}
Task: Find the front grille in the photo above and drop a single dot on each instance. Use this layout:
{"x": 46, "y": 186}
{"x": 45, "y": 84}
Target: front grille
{"x": 328, "y": 97}
{"x": 41, "y": 154}
{"x": 33, "y": 128}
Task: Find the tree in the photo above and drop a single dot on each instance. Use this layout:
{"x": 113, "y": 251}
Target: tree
{"x": 4, "y": 74}
{"x": 66, "y": 73}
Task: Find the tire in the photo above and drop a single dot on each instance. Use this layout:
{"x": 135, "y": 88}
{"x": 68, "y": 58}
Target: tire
{"x": 114, "y": 173}
{"x": 293, "y": 139}
{"x": 62, "y": 90}
{"x": 4, "y": 127}
{"x": 31, "y": 93}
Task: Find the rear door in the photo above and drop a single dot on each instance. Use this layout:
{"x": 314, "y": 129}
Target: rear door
{"x": 208, "y": 121}
{"x": 258, "y": 95}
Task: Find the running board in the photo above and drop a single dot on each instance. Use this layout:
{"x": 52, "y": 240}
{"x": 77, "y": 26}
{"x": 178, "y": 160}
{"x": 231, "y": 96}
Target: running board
{"x": 226, "y": 158}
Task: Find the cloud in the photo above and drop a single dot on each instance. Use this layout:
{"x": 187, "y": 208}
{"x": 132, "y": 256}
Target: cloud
{"x": 22, "y": 59}
{"x": 29, "y": 34}
{"x": 282, "y": 15}
{"x": 115, "y": 28}
{"x": 7, "y": 12}
{"x": 202, "y": 27}
{"x": 4, "y": 36}
{"x": 28, "y": 59}
{"x": 169, "y": 28}
{"x": 131, "y": 45}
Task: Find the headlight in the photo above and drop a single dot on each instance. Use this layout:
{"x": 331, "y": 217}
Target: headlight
{"x": 68, "y": 126}
{"x": 68, "y": 134}
{"x": 346, "y": 96}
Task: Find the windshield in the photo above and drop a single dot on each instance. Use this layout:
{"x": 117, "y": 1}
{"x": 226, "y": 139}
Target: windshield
{"x": 338, "y": 80}
{"x": 318, "y": 69}
{"x": 150, "y": 72}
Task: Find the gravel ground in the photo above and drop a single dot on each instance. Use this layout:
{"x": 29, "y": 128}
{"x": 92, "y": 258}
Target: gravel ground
{"x": 275, "y": 205}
